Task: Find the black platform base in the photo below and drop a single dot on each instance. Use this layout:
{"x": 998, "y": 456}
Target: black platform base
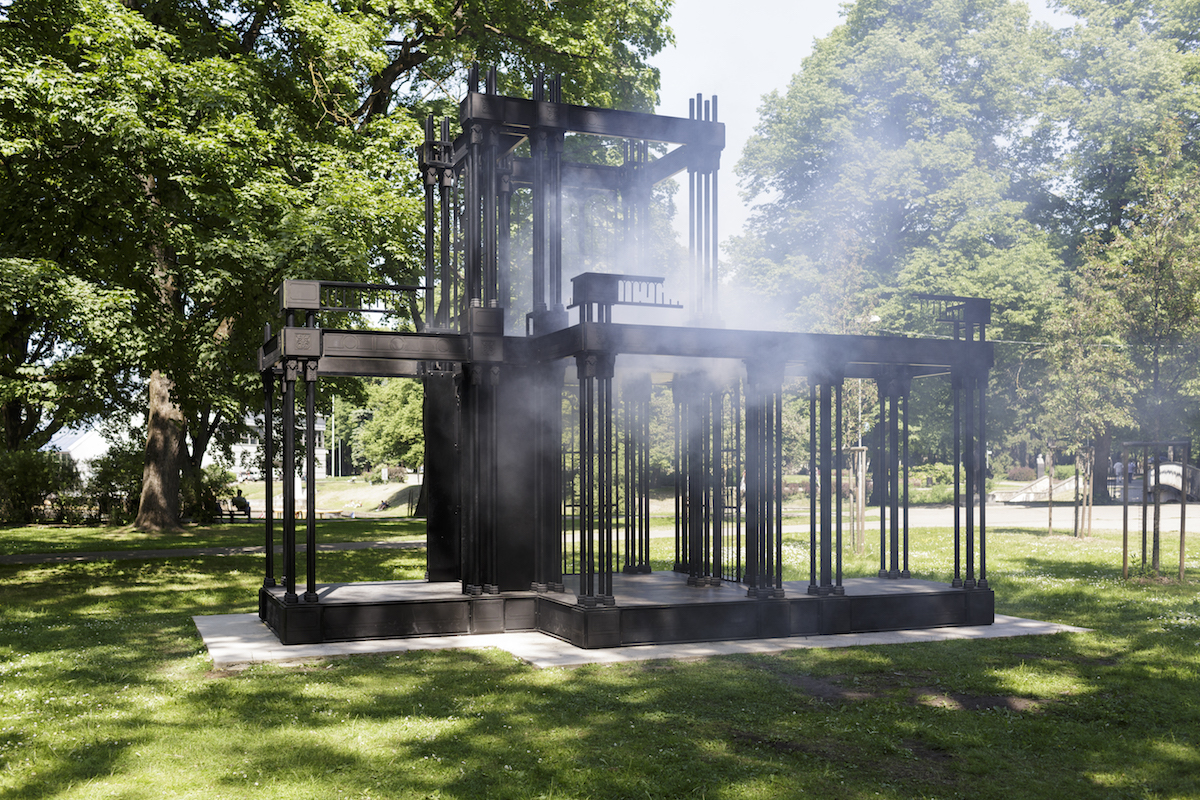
{"x": 650, "y": 609}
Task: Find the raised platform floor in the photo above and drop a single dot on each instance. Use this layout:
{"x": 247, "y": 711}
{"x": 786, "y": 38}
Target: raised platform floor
{"x": 649, "y": 609}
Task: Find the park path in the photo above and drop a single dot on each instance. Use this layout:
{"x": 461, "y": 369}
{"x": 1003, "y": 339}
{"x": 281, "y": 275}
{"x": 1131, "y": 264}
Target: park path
{"x": 189, "y": 552}
{"x": 999, "y": 515}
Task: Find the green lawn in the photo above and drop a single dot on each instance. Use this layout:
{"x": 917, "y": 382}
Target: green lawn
{"x": 105, "y": 691}
{"x": 66, "y": 538}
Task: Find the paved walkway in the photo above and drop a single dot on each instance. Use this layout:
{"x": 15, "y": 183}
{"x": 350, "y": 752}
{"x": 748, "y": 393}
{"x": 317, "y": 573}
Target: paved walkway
{"x": 238, "y": 640}
{"x": 191, "y": 552}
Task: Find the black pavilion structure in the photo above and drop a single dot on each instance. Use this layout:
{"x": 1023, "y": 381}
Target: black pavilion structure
{"x": 537, "y": 417}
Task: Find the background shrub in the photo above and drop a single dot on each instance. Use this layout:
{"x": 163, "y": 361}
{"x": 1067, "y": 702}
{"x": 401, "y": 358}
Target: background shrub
{"x": 114, "y": 488}
{"x": 28, "y": 478}
{"x": 1023, "y": 474}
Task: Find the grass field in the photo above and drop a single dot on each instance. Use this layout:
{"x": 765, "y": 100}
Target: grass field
{"x": 106, "y": 691}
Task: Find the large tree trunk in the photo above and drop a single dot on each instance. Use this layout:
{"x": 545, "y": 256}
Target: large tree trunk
{"x": 159, "y": 509}
{"x": 199, "y": 501}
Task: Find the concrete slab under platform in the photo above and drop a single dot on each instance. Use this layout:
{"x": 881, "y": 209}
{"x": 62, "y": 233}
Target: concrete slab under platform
{"x": 238, "y": 640}
{"x": 655, "y": 608}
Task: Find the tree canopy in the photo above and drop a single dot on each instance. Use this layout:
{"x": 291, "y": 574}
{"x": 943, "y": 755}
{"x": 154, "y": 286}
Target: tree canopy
{"x": 191, "y": 155}
{"x": 954, "y": 147}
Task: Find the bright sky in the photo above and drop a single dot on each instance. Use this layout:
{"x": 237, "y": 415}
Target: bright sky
{"x": 739, "y": 52}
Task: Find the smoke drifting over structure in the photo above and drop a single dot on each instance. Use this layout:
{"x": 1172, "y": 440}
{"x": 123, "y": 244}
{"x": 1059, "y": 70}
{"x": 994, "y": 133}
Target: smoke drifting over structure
{"x": 538, "y": 446}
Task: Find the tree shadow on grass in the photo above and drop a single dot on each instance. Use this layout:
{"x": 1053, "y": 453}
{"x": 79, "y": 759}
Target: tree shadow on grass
{"x": 1078, "y": 714}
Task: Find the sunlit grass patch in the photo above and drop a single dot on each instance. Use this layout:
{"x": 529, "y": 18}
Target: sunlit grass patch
{"x": 105, "y": 690}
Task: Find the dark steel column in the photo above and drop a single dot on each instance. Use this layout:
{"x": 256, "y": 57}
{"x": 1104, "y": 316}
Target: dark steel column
{"x": 894, "y": 476}
{"x": 969, "y": 458}
{"x": 826, "y": 460}
{"x": 291, "y": 370}
{"x": 956, "y": 395}
{"x": 488, "y": 458}
{"x": 838, "y": 589}
{"x": 446, "y": 276}
{"x": 680, "y": 468}
{"x": 983, "y": 583}
{"x": 268, "y": 380}
{"x": 881, "y": 474}
{"x": 753, "y": 480}
{"x": 556, "y": 221}
{"x": 310, "y": 475}
{"x": 813, "y": 551}
{"x": 474, "y": 221}
{"x": 606, "y": 484}
{"x": 472, "y": 574}
{"x": 491, "y": 194}
{"x": 430, "y": 154}
{"x": 503, "y": 242}
{"x": 904, "y": 573}
{"x": 764, "y": 382}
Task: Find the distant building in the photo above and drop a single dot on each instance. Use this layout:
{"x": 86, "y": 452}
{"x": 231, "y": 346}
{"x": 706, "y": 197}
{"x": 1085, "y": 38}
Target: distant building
{"x": 247, "y": 450}
{"x": 81, "y": 445}
{"x": 87, "y": 444}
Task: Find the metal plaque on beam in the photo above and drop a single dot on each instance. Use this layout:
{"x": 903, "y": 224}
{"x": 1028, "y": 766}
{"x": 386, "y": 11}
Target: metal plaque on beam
{"x": 300, "y": 343}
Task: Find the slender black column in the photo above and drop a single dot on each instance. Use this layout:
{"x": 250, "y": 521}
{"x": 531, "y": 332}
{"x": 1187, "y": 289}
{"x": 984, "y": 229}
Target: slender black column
{"x": 753, "y": 481}
{"x": 606, "y": 485}
{"x": 894, "y": 480}
{"x": 503, "y": 243}
{"x": 556, "y": 221}
{"x": 764, "y": 382}
{"x": 905, "y": 573}
{"x": 491, "y": 194}
{"x": 595, "y": 372}
{"x": 636, "y": 393}
{"x": 490, "y": 465}
{"x": 680, "y": 469}
{"x": 291, "y": 372}
{"x": 826, "y": 460}
{"x": 474, "y": 215}
{"x": 446, "y": 276}
{"x": 813, "y": 551}
{"x": 472, "y": 430}
{"x": 548, "y": 479}
{"x": 956, "y": 395}
{"x": 881, "y": 476}
{"x": 310, "y": 479}
{"x": 983, "y": 583}
{"x": 268, "y": 379}
{"x": 969, "y": 459}
{"x": 430, "y": 154}
{"x": 838, "y": 589}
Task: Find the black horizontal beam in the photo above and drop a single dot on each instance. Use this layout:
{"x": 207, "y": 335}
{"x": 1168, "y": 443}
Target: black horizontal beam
{"x": 854, "y": 356}
{"x": 331, "y": 367}
{"x": 574, "y": 175}
{"x": 515, "y": 113}
{"x": 408, "y": 346}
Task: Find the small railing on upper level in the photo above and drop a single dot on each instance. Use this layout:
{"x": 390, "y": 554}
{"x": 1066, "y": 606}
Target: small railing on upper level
{"x": 595, "y": 293}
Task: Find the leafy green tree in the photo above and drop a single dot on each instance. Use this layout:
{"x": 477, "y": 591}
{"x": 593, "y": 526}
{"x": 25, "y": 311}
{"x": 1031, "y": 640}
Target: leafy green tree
{"x": 1119, "y": 73}
{"x": 197, "y": 153}
{"x": 1142, "y": 286}
{"x": 394, "y": 434}
{"x": 888, "y": 163}
{"x": 59, "y": 351}
{"x": 895, "y": 164}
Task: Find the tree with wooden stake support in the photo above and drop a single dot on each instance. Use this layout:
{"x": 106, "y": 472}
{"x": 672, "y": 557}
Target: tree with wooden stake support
{"x": 1153, "y": 472}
